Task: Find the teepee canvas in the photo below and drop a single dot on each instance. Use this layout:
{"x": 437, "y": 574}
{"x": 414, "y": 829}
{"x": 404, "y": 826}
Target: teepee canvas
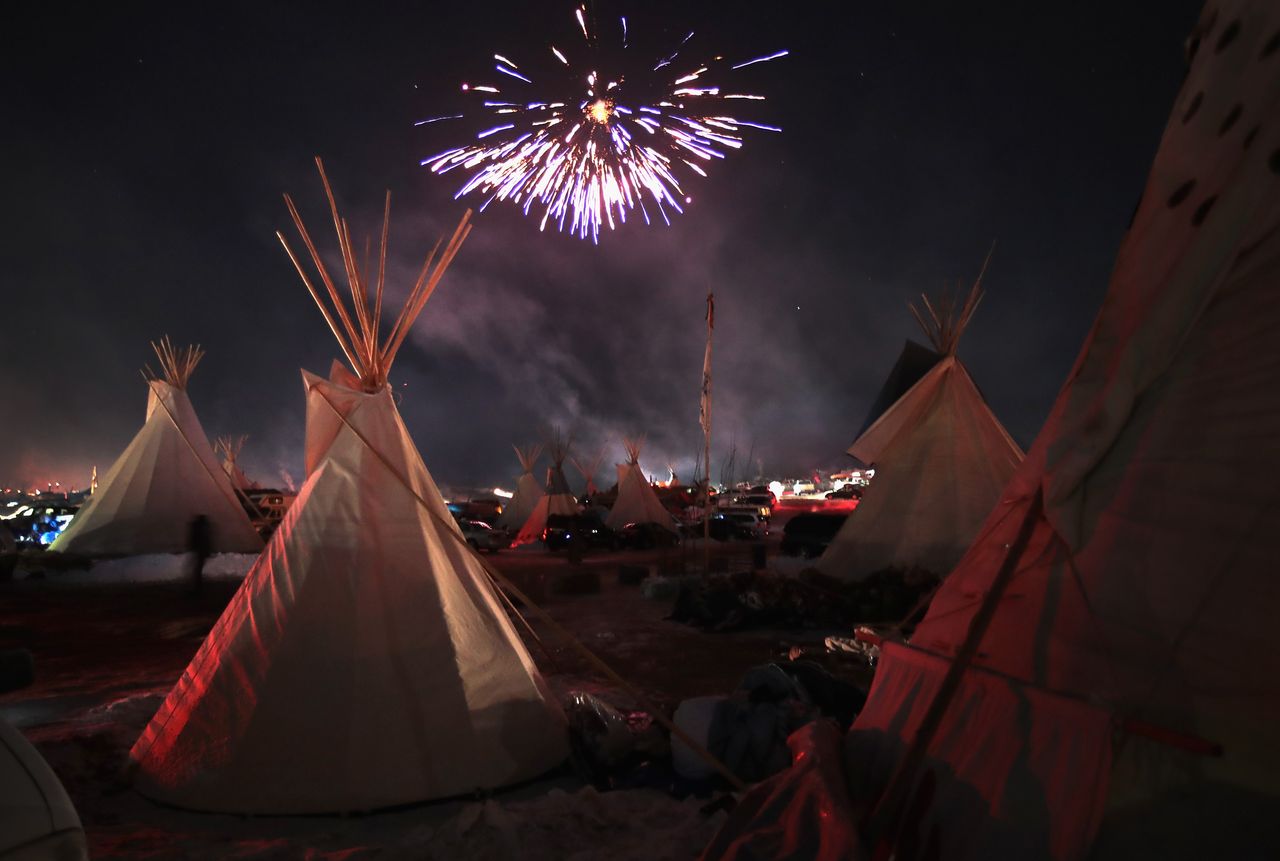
{"x": 636, "y": 502}
{"x": 558, "y": 499}
{"x": 230, "y": 448}
{"x": 166, "y": 477}
{"x": 1101, "y": 672}
{"x": 37, "y": 819}
{"x": 366, "y": 661}
{"x": 914, "y": 362}
{"x": 941, "y": 459}
{"x": 516, "y": 512}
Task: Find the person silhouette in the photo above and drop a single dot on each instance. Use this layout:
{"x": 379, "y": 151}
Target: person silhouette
{"x": 200, "y": 546}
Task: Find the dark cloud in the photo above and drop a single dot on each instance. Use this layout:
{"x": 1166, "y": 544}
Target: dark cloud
{"x": 149, "y": 144}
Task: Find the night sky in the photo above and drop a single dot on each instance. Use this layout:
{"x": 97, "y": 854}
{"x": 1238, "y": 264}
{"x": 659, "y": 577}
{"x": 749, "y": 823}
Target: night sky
{"x": 146, "y": 146}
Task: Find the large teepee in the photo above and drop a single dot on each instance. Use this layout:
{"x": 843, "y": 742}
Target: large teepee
{"x": 230, "y": 447}
{"x": 166, "y": 476}
{"x": 941, "y": 459}
{"x": 516, "y": 512}
{"x": 636, "y": 502}
{"x": 366, "y": 661}
{"x": 1100, "y": 676}
{"x": 558, "y": 499}
{"x": 1105, "y": 660}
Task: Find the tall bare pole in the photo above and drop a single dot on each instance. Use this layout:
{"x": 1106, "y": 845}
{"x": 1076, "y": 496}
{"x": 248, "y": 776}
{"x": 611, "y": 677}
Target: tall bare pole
{"x": 705, "y": 416}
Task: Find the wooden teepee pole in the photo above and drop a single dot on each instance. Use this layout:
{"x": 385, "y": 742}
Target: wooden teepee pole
{"x": 358, "y": 328}
{"x": 706, "y": 432}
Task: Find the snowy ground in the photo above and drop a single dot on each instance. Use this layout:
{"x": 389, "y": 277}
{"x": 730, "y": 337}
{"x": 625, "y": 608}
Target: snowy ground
{"x": 108, "y": 649}
{"x": 158, "y": 568}
{"x": 551, "y": 819}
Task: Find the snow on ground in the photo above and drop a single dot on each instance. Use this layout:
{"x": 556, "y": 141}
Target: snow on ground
{"x": 106, "y": 657}
{"x": 555, "y": 818}
{"x": 158, "y": 568}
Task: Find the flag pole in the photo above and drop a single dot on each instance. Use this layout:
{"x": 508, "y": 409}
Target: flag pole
{"x": 706, "y": 431}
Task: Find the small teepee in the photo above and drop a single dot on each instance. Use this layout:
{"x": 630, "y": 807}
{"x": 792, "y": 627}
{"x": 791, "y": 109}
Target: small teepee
{"x": 636, "y": 502}
{"x": 941, "y": 459}
{"x": 367, "y": 660}
{"x": 166, "y": 477}
{"x": 558, "y": 499}
{"x": 589, "y": 468}
{"x": 230, "y": 447}
{"x": 516, "y": 512}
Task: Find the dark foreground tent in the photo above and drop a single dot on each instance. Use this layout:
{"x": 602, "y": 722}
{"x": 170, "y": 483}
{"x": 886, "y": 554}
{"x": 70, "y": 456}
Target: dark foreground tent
{"x": 37, "y": 819}
{"x": 1100, "y": 675}
{"x": 367, "y": 660}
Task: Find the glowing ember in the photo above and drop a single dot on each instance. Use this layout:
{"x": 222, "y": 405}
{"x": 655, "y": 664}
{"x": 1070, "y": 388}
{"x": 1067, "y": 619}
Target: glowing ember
{"x": 588, "y": 157}
{"x": 600, "y": 111}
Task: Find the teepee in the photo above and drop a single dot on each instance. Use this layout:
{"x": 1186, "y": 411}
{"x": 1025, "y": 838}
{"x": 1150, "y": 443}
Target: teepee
{"x": 367, "y": 660}
{"x": 941, "y": 459}
{"x": 516, "y": 512}
{"x": 636, "y": 502}
{"x": 589, "y": 468}
{"x": 230, "y": 448}
{"x": 166, "y": 477}
{"x": 37, "y": 818}
{"x": 1100, "y": 675}
{"x": 558, "y": 499}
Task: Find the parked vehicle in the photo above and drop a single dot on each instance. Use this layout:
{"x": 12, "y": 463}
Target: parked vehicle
{"x": 759, "y": 504}
{"x": 482, "y": 536}
{"x": 584, "y": 530}
{"x": 849, "y": 491}
{"x": 764, "y": 501}
{"x": 728, "y": 524}
{"x": 267, "y": 507}
{"x": 643, "y": 536}
{"x": 755, "y": 524}
{"x": 485, "y": 509}
{"x": 808, "y": 535}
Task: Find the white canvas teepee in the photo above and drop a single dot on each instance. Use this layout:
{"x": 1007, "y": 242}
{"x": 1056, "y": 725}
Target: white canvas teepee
{"x": 1111, "y": 636}
{"x": 941, "y": 459}
{"x": 165, "y": 477}
{"x": 366, "y": 661}
{"x": 558, "y": 499}
{"x": 230, "y": 448}
{"x": 636, "y": 502}
{"x": 528, "y": 491}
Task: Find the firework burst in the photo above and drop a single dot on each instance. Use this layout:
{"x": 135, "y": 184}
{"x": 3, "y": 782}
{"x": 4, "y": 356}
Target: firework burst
{"x": 595, "y": 140}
